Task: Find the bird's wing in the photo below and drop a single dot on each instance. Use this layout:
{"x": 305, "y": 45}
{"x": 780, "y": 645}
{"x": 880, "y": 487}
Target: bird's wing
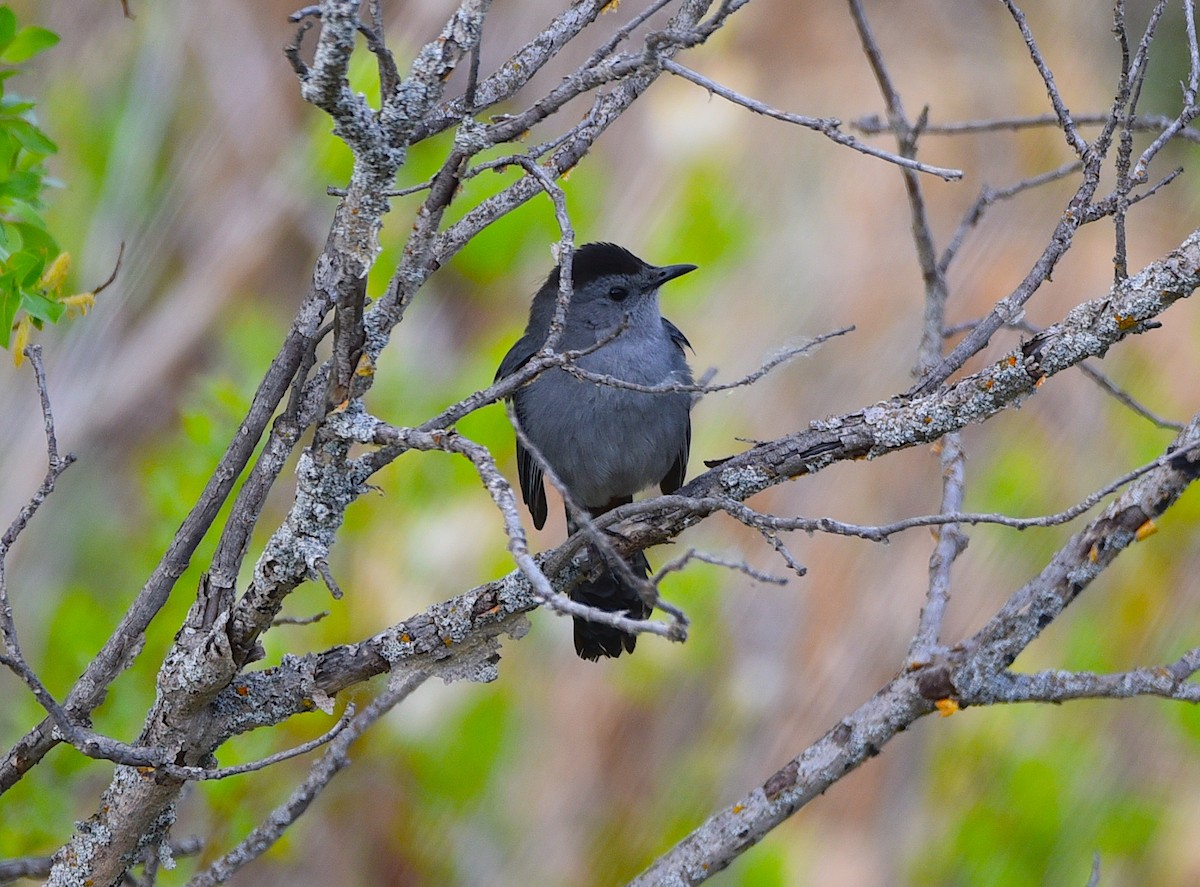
{"x": 678, "y": 470}
{"x": 529, "y": 472}
{"x": 676, "y": 335}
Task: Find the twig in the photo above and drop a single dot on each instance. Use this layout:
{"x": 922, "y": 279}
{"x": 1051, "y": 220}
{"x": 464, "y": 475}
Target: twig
{"x": 1166, "y": 681}
{"x": 39, "y": 866}
{"x": 951, "y": 542}
{"x": 827, "y": 126}
{"x": 1065, "y": 121}
{"x": 706, "y": 505}
{"x": 873, "y": 125}
{"x": 116, "y": 269}
{"x": 335, "y": 758}
{"x": 202, "y": 773}
{"x": 566, "y": 250}
{"x": 1190, "y": 107}
{"x": 784, "y": 356}
{"x": 322, "y": 568}
{"x": 988, "y": 196}
{"x": 1127, "y": 399}
{"x": 678, "y": 564}
{"x": 300, "y": 620}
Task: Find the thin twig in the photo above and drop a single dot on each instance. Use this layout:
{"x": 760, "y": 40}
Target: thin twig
{"x": 322, "y": 567}
{"x": 300, "y": 620}
{"x": 39, "y": 866}
{"x": 677, "y": 564}
{"x": 951, "y": 542}
{"x": 1065, "y": 121}
{"x": 201, "y": 773}
{"x": 988, "y": 196}
{"x": 1191, "y": 109}
{"x": 874, "y": 125}
{"x": 782, "y": 357}
{"x": 827, "y": 126}
{"x": 1127, "y": 399}
{"x": 335, "y": 758}
{"x": 1085, "y": 367}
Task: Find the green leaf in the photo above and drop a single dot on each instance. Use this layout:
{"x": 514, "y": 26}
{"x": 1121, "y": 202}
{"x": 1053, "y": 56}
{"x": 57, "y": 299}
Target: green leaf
{"x": 8, "y": 27}
{"x": 10, "y": 301}
{"x": 23, "y": 187}
{"x": 12, "y": 238}
{"x": 29, "y": 41}
{"x": 41, "y": 308}
{"x": 31, "y": 138}
{"x": 37, "y": 242}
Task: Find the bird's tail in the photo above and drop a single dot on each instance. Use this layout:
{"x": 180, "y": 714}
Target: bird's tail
{"x": 609, "y": 591}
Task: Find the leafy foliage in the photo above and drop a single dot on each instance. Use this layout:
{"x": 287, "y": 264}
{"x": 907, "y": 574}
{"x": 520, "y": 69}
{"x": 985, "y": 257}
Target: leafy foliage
{"x": 32, "y": 269}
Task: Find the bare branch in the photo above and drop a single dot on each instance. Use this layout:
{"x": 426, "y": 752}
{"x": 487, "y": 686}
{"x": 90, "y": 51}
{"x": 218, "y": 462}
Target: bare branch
{"x": 39, "y": 866}
{"x": 874, "y": 125}
{"x": 1065, "y": 122}
{"x": 1190, "y": 109}
{"x": 200, "y": 773}
{"x": 782, "y": 357}
{"x": 333, "y": 760}
{"x": 1166, "y": 681}
{"x": 951, "y": 542}
{"x": 988, "y": 196}
{"x": 300, "y": 620}
{"x": 1127, "y": 399}
{"x": 830, "y": 127}
{"x": 679, "y": 563}
{"x": 973, "y": 675}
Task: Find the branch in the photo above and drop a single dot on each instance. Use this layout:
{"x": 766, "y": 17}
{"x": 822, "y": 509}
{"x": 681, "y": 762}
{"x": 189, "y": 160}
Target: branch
{"x": 118, "y": 651}
{"x": 970, "y": 676}
{"x": 332, "y": 761}
{"x": 872, "y": 124}
{"x": 39, "y": 866}
{"x": 1165, "y": 681}
{"x": 1065, "y": 122}
{"x": 498, "y": 607}
{"x": 830, "y": 127}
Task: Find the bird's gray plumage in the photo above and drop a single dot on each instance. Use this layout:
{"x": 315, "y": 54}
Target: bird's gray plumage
{"x": 605, "y": 443}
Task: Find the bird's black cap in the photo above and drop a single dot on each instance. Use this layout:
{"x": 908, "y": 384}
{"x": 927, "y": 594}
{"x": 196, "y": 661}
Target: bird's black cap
{"x": 594, "y": 260}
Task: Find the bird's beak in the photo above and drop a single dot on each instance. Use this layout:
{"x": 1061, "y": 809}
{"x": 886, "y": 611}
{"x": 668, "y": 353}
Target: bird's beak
{"x": 659, "y": 276}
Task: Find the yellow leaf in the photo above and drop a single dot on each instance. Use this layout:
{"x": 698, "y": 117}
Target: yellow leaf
{"x": 56, "y": 272}
{"x": 1145, "y": 530}
{"x": 21, "y": 339}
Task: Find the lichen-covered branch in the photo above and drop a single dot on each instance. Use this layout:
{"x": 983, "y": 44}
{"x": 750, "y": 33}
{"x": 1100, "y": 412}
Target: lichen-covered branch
{"x": 975, "y": 673}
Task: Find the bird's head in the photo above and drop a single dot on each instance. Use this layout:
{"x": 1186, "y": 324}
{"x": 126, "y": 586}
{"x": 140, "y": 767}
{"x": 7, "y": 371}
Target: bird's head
{"x": 610, "y": 284}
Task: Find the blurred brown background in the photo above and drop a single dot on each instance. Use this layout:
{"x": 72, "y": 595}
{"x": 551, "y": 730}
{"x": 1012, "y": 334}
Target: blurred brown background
{"x": 182, "y": 134}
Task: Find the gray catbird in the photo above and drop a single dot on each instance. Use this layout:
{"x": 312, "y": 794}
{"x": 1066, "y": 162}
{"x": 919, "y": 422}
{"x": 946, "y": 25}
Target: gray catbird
{"x": 603, "y": 442}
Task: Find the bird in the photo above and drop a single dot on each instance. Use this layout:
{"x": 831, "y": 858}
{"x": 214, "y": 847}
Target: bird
{"x": 604, "y": 443}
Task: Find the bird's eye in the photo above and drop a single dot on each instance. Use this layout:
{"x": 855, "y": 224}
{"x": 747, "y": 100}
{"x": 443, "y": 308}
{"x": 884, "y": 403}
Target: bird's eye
{"x": 618, "y": 294}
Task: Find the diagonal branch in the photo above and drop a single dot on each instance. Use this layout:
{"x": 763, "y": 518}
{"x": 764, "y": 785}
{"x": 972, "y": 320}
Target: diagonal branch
{"x": 498, "y": 607}
{"x": 976, "y": 675}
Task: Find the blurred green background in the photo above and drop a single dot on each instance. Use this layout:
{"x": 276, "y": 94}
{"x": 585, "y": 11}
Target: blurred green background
{"x": 181, "y": 133}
